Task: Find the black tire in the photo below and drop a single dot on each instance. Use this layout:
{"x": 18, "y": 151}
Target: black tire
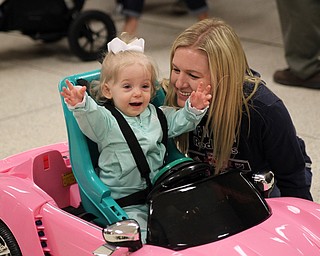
{"x": 8, "y": 244}
{"x": 89, "y": 34}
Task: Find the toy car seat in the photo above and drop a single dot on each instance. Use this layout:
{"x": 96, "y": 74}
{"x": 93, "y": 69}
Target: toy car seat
{"x": 95, "y": 195}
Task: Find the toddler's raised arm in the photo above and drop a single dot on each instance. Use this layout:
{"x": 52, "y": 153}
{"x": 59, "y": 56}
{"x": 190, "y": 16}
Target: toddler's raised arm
{"x": 200, "y": 99}
{"x": 73, "y": 94}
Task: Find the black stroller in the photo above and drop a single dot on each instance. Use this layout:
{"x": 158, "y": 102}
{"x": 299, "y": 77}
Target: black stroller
{"x": 88, "y": 32}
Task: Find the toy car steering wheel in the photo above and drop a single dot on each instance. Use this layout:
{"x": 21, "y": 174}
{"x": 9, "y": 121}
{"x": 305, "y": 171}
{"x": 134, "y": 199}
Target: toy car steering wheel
{"x": 181, "y": 174}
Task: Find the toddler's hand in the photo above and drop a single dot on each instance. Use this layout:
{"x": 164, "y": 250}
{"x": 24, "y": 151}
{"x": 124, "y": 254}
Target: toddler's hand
{"x": 73, "y": 95}
{"x": 200, "y": 99}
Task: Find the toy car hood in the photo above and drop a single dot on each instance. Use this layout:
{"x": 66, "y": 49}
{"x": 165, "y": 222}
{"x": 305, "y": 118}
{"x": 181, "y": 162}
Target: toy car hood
{"x": 230, "y": 218}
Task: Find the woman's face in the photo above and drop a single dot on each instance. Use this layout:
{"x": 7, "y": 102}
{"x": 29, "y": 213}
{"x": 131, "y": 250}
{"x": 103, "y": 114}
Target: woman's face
{"x": 190, "y": 67}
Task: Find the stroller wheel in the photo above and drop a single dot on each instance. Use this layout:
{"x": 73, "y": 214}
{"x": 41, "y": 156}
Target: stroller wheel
{"x": 89, "y": 34}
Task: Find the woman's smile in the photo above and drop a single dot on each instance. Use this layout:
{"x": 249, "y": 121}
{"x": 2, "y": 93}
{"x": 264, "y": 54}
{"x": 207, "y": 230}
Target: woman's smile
{"x": 187, "y": 94}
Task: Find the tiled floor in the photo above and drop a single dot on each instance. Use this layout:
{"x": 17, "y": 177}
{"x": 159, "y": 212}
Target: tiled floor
{"x": 31, "y": 114}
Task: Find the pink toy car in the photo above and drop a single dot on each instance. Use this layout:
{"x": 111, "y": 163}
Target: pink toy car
{"x": 46, "y": 209}
{"x": 38, "y": 193}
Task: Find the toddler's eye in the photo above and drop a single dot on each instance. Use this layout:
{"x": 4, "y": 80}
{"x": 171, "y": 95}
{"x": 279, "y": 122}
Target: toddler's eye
{"x": 146, "y": 86}
{"x": 126, "y": 86}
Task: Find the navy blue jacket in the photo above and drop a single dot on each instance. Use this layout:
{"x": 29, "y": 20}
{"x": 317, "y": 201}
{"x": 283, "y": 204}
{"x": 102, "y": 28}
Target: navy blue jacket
{"x": 272, "y": 144}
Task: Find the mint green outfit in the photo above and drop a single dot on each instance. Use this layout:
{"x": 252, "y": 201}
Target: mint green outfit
{"x": 118, "y": 169}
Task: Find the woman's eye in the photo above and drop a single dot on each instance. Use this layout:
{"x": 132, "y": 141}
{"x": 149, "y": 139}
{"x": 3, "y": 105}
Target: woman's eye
{"x": 176, "y": 70}
{"x": 194, "y": 76}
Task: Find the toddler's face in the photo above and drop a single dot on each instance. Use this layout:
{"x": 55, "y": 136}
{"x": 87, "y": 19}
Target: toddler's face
{"x": 131, "y": 92}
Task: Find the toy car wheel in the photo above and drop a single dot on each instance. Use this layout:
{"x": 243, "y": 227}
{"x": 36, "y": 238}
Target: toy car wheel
{"x": 8, "y": 244}
{"x": 89, "y": 34}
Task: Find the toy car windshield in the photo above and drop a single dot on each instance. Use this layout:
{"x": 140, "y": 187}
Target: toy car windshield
{"x": 204, "y": 212}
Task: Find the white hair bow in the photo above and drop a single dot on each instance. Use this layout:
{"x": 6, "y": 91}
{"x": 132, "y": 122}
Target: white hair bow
{"x": 117, "y": 45}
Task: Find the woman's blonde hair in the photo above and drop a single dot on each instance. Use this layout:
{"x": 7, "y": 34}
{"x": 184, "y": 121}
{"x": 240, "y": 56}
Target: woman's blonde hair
{"x": 113, "y": 63}
{"x": 229, "y": 70}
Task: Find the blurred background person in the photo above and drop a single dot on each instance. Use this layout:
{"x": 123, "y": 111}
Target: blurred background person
{"x": 198, "y": 8}
{"x": 132, "y": 11}
{"x": 300, "y": 24}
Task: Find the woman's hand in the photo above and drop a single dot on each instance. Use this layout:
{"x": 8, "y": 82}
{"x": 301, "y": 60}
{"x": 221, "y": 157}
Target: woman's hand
{"x": 73, "y": 95}
{"x": 200, "y": 99}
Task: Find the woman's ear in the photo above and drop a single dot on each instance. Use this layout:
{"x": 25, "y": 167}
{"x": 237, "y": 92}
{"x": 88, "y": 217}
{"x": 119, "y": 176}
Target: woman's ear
{"x": 106, "y": 91}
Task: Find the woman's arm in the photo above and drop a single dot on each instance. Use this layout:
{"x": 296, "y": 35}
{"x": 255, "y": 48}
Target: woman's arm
{"x": 283, "y": 152}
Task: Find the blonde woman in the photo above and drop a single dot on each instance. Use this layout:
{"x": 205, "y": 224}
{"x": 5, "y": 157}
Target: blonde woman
{"x": 247, "y": 126}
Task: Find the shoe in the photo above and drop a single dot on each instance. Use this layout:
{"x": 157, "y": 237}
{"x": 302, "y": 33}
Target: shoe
{"x": 286, "y": 77}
